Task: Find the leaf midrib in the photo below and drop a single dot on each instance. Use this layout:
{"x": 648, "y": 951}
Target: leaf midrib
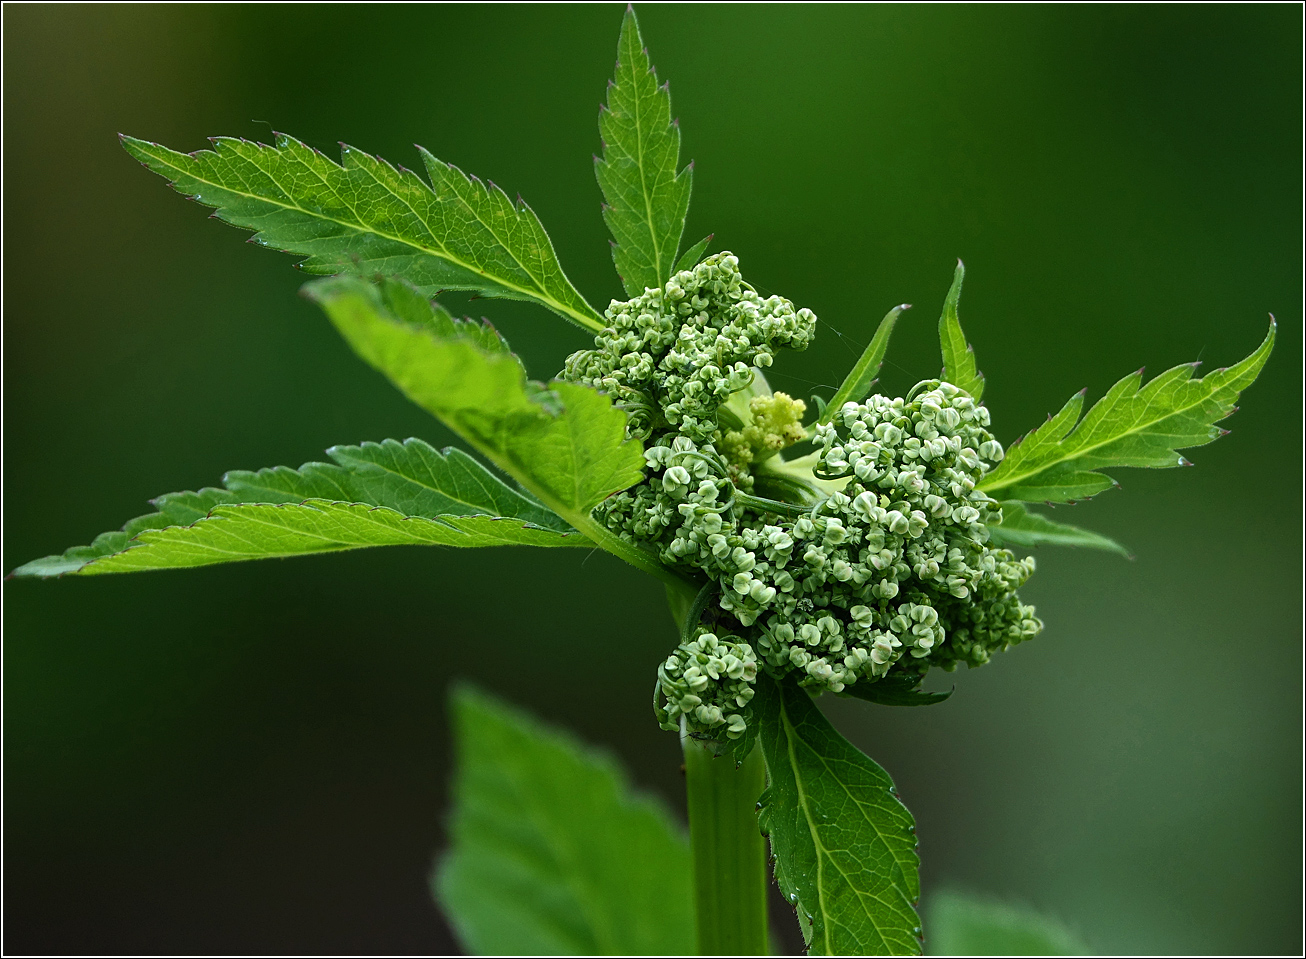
{"x": 639, "y": 162}
{"x": 359, "y": 227}
{"x": 1085, "y": 450}
{"x": 822, "y": 852}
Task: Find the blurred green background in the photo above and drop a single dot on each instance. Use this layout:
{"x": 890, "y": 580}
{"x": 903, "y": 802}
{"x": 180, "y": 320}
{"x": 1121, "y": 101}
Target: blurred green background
{"x": 254, "y": 758}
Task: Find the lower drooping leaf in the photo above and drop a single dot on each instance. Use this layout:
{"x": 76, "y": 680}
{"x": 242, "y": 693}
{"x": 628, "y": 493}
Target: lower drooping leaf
{"x": 1133, "y": 425}
{"x": 459, "y": 502}
{"x": 896, "y": 689}
{"x": 844, "y": 845}
{"x": 553, "y": 854}
{"x": 1019, "y": 527}
{"x": 964, "y": 926}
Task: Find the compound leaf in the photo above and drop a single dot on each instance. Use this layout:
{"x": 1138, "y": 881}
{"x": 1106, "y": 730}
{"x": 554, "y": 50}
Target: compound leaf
{"x": 1019, "y": 527}
{"x": 857, "y": 384}
{"x": 377, "y": 494}
{"x": 552, "y": 852}
{"x": 844, "y": 845}
{"x": 565, "y": 443}
{"x": 363, "y": 215}
{"x": 1132, "y": 425}
{"x": 646, "y": 198}
{"x": 958, "y": 356}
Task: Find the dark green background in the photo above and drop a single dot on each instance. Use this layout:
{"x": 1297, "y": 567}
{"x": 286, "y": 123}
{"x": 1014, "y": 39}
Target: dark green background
{"x": 254, "y": 757}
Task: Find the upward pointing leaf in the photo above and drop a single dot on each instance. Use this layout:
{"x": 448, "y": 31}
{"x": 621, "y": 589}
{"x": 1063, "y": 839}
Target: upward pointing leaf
{"x": 366, "y": 216}
{"x": 1133, "y": 425}
{"x": 958, "y": 356}
{"x": 965, "y": 926}
{"x": 845, "y": 847}
{"x": 377, "y": 494}
{"x": 646, "y": 198}
{"x": 857, "y": 384}
{"x": 553, "y": 853}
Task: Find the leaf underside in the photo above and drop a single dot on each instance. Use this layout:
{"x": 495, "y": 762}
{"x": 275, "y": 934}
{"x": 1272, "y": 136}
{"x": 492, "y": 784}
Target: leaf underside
{"x": 564, "y": 442}
{"x": 1021, "y": 528}
{"x": 896, "y": 689}
{"x": 646, "y": 198}
{"x": 1132, "y": 425}
{"x": 844, "y": 845}
{"x": 958, "y": 356}
{"x": 365, "y": 216}
{"x": 376, "y": 494}
{"x": 552, "y": 852}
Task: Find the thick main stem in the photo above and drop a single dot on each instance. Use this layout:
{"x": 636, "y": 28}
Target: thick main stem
{"x": 728, "y": 849}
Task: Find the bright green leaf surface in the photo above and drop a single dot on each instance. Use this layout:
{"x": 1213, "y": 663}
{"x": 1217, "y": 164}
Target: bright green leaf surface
{"x": 844, "y": 845}
{"x": 958, "y": 356}
{"x": 646, "y": 198}
{"x": 962, "y": 926}
{"x": 553, "y": 853}
{"x": 689, "y": 259}
{"x": 1019, "y": 527}
{"x": 372, "y": 495}
{"x": 857, "y": 384}
{"x": 365, "y": 216}
{"x": 1133, "y": 425}
{"x": 563, "y": 442}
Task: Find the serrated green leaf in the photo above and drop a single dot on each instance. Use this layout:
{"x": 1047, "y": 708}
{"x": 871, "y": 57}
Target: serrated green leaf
{"x": 689, "y": 259}
{"x": 857, "y": 384}
{"x": 552, "y": 852}
{"x": 896, "y": 689}
{"x": 965, "y": 926}
{"x": 844, "y": 845}
{"x": 1132, "y": 425}
{"x": 365, "y": 216}
{"x": 459, "y": 502}
{"x": 563, "y": 442}
{"x": 958, "y": 356}
{"x": 646, "y": 198}
{"x": 1021, "y": 528}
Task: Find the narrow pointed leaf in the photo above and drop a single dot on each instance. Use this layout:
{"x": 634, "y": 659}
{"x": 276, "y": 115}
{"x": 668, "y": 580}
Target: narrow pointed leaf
{"x": 958, "y": 357}
{"x": 844, "y": 845}
{"x": 365, "y": 216}
{"x": 552, "y": 852}
{"x": 1132, "y": 425}
{"x": 395, "y": 493}
{"x": 1021, "y": 528}
{"x": 857, "y": 384}
{"x": 647, "y": 199}
{"x": 689, "y": 259}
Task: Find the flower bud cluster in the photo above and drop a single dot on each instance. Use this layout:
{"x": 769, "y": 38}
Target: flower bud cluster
{"x": 709, "y": 681}
{"x": 890, "y": 571}
{"x": 672, "y": 356}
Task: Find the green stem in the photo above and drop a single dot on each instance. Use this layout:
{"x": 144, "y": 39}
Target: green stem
{"x": 728, "y": 849}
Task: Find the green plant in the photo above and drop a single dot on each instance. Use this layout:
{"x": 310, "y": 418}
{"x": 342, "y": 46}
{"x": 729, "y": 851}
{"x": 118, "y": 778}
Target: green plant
{"x": 589, "y": 454}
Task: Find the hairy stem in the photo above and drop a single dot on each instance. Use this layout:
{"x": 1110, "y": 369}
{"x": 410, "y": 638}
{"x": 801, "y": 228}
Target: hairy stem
{"x": 728, "y": 849}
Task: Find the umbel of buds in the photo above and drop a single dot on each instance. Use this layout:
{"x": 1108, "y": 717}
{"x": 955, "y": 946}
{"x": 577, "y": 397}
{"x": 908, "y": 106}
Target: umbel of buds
{"x": 866, "y": 557}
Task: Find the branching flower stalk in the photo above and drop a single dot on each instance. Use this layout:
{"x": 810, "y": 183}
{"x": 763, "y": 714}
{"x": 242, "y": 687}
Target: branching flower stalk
{"x": 845, "y": 545}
